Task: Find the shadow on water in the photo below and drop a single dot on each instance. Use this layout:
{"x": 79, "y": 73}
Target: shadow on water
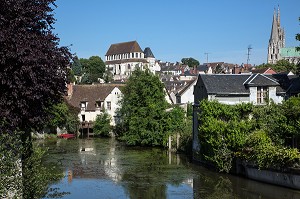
{"x": 105, "y": 168}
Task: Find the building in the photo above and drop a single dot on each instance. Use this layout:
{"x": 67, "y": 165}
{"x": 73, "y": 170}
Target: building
{"x": 276, "y": 48}
{"x": 122, "y": 59}
{"x": 243, "y": 88}
{"x": 94, "y": 100}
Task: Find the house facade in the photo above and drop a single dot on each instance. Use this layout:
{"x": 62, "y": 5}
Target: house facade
{"x": 122, "y": 59}
{"x": 94, "y": 100}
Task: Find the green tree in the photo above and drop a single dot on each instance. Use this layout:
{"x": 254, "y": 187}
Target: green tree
{"x": 102, "y": 125}
{"x": 93, "y": 69}
{"x": 76, "y": 66}
{"x": 143, "y": 110}
{"x": 63, "y": 115}
{"x": 33, "y": 71}
{"x": 191, "y": 62}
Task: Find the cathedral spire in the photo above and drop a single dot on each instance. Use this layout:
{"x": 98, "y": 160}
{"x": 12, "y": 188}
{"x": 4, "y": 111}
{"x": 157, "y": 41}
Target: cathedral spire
{"x": 274, "y": 31}
{"x": 278, "y": 16}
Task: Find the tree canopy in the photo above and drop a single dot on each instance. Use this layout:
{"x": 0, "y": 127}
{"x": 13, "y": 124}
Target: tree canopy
{"x": 280, "y": 66}
{"x": 33, "y": 76}
{"x": 32, "y": 65}
{"x": 191, "y": 62}
{"x": 143, "y": 110}
{"x": 93, "y": 69}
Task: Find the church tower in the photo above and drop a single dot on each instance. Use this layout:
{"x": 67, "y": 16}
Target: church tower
{"x": 277, "y": 39}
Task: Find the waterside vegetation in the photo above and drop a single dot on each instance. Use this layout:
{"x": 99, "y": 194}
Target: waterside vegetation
{"x": 265, "y": 136}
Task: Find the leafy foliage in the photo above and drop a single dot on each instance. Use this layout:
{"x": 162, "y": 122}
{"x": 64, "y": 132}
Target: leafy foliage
{"x": 32, "y": 59}
{"x": 191, "y": 62}
{"x": 76, "y": 66}
{"x": 102, "y": 125}
{"x": 33, "y": 73}
{"x": 37, "y": 177}
{"x": 255, "y": 134}
{"x": 143, "y": 110}
{"x": 280, "y": 66}
{"x": 93, "y": 69}
{"x": 63, "y": 116}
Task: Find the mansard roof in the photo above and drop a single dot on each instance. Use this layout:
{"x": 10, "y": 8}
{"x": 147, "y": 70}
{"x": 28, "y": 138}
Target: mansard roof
{"x": 148, "y": 53}
{"x": 90, "y": 94}
{"x": 125, "y": 47}
{"x": 225, "y": 83}
{"x": 232, "y": 84}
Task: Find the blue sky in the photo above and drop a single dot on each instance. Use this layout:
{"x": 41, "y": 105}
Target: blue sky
{"x": 175, "y": 29}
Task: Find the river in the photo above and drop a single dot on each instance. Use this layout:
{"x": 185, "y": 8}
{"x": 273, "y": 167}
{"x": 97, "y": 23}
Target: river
{"x": 105, "y": 168}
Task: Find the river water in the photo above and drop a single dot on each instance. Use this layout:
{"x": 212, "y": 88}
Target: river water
{"x": 105, "y": 168}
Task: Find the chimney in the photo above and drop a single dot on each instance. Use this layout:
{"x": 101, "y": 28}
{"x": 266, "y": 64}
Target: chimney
{"x": 70, "y": 89}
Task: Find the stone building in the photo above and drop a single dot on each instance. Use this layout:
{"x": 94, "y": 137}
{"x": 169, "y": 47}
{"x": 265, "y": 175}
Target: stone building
{"x": 122, "y": 59}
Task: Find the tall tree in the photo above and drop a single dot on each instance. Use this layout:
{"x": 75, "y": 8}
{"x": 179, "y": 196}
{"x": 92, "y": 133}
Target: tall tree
{"x": 32, "y": 71}
{"x": 93, "y": 67}
{"x": 143, "y": 110}
{"x": 191, "y": 62}
{"x": 76, "y": 66}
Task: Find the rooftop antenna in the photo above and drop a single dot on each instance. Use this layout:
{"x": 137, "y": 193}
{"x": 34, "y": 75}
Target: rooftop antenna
{"x": 248, "y": 54}
{"x": 207, "y": 57}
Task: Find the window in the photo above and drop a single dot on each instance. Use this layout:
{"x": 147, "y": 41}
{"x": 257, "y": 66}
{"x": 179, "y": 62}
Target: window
{"x": 262, "y": 95}
{"x": 83, "y": 117}
{"x": 108, "y": 105}
{"x": 82, "y": 106}
{"x": 98, "y": 104}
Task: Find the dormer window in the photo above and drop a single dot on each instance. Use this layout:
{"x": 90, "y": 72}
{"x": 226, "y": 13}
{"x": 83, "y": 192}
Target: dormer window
{"x": 262, "y": 94}
{"x": 83, "y": 106}
{"x": 99, "y": 105}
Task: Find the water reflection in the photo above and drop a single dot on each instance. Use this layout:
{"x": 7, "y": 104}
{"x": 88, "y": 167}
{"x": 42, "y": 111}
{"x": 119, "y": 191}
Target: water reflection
{"x": 104, "y": 168}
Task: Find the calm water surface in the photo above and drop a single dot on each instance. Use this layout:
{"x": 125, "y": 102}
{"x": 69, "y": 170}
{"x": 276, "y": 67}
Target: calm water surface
{"x": 105, "y": 168}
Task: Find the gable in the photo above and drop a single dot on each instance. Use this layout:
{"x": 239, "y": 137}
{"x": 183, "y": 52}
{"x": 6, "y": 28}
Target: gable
{"x": 261, "y": 80}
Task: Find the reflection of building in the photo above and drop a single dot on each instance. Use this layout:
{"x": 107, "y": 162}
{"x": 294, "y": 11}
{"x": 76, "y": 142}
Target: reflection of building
{"x": 276, "y": 48}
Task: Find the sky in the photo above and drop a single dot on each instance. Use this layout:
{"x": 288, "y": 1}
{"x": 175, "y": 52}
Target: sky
{"x": 213, "y": 31}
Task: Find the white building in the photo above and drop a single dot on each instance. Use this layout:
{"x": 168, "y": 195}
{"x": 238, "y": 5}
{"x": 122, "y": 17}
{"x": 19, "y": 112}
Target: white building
{"x": 93, "y": 100}
{"x": 122, "y": 59}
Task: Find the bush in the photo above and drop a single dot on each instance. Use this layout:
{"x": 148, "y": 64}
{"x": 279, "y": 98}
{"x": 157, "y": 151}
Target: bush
{"x": 102, "y": 125}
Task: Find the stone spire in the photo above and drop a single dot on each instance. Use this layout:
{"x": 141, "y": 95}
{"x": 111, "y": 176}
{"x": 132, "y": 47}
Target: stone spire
{"x": 278, "y": 16}
{"x": 274, "y": 31}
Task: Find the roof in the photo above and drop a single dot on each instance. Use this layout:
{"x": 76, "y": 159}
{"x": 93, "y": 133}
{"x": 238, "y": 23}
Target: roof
{"x": 91, "y": 94}
{"x": 261, "y": 80}
{"x": 148, "y": 53}
{"x": 289, "y": 52}
{"x": 225, "y": 83}
{"x": 126, "y": 47}
{"x": 236, "y": 83}
{"x": 186, "y": 87}
{"x": 264, "y": 70}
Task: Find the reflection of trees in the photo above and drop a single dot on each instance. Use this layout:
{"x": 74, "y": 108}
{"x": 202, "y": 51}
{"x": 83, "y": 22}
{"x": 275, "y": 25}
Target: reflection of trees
{"x": 148, "y": 173}
{"x": 212, "y": 187}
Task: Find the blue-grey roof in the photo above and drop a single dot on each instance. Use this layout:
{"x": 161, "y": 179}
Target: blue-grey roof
{"x": 230, "y": 84}
{"x": 225, "y": 84}
{"x": 148, "y": 53}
